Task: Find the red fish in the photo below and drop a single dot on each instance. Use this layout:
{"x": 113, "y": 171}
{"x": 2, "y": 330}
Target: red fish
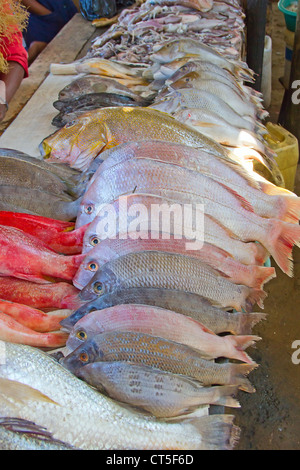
{"x": 26, "y": 257}
{"x": 14, "y": 332}
{"x": 58, "y": 235}
{"x": 59, "y": 295}
{"x": 33, "y": 318}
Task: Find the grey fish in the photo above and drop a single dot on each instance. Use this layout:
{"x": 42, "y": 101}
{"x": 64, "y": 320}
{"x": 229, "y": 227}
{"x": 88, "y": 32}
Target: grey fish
{"x": 160, "y": 353}
{"x": 37, "y": 202}
{"x": 186, "y": 303}
{"x": 138, "y": 385}
{"x": 20, "y": 434}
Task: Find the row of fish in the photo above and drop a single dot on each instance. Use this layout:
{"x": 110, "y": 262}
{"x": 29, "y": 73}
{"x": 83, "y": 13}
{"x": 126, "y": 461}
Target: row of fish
{"x": 151, "y": 320}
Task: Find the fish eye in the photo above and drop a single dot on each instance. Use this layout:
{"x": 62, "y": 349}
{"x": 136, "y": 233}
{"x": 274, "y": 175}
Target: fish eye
{"x": 70, "y": 124}
{"x": 84, "y": 357}
{"x": 81, "y": 335}
{"x": 94, "y": 241}
{"x": 98, "y": 287}
{"x": 93, "y": 266}
{"x": 88, "y": 209}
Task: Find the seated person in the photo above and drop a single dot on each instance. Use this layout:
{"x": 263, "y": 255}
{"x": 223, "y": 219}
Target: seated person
{"x": 47, "y": 17}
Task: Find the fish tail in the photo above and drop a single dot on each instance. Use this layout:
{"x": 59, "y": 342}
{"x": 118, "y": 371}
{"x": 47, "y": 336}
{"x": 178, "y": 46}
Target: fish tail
{"x": 247, "y": 321}
{"x": 269, "y": 188}
{"x": 252, "y": 297}
{"x": 225, "y": 395}
{"x": 288, "y": 209}
{"x": 240, "y": 343}
{"x": 216, "y": 432}
{"x": 261, "y": 276}
{"x": 280, "y": 240}
{"x": 243, "y": 71}
{"x": 238, "y": 375}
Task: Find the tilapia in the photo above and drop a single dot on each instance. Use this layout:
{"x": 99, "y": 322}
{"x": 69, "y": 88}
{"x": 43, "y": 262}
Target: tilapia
{"x": 14, "y": 332}
{"x": 188, "y": 187}
{"x": 153, "y": 351}
{"x": 21, "y": 434}
{"x": 95, "y": 84}
{"x": 23, "y": 256}
{"x": 58, "y": 295}
{"x": 128, "y": 215}
{"x": 33, "y": 318}
{"x": 109, "y": 249}
{"x": 171, "y": 271}
{"x": 185, "y": 303}
{"x": 164, "y": 323}
{"x": 36, "y": 202}
{"x": 35, "y": 387}
{"x": 178, "y": 395}
{"x": 57, "y": 235}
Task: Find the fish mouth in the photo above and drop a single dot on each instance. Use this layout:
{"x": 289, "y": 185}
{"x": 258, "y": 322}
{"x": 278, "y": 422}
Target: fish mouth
{"x": 45, "y": 150}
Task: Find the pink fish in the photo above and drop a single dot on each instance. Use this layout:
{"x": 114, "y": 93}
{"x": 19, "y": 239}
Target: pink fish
{"x": 163, "y": 323}
{"x": 25, "y": 257}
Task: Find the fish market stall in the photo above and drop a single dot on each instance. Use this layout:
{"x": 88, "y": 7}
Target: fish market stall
{"x": 139, "y": 236}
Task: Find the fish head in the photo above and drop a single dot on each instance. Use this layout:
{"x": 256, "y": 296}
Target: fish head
{"x": 88, "y": 267}
{"x": 168, "y": 103}
{"x": 83, "y": 355}
{"x": 101, "y": 283}
{"x": 166, "y": 52}
{"x": 77, "y": 337}
{"x": 77, "y": 143}
{"x": 69, "y": 322}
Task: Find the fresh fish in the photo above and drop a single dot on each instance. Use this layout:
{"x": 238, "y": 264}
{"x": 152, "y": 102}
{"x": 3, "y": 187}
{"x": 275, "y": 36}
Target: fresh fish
{"x": 80, "y": 142}
{"x": 125, "y": 213}
{"x": 58, "y": 295}
{"x": 14, "y": 332}
{"x": 20, "y": 434}
{"x": 85, "y": 103}
{"x": 178, "y": 395}
{"x": 181, "y": 185}
{"x": 230, "y": 174}
{"x": 95, "y": 84}
{"x": 36, "y": 202}
{"x": 25, "y": 257}
{"x": 110, "y": 249}
{"x": 57, "y": 235}
{"x": 179, "y": 48}
{"x": 164, "y": 323}
{"x": 33, "y": 318}
{"x": 160, "y": 353}
{"x": 200, "y": 5}
{"x": 171, "y": 271}
{"x": 35, "y": 387}
{"x": 69, "y": 176}
{"x": 185, "y": 303}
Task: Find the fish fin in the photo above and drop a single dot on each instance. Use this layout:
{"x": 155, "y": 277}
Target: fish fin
{"x": 34, "y": 278}
{"x": 21, "y": 392}
{"x": 245, "y": 204}
{"x": 255, "y": 296}
{"x": 291, "y": 209}
{"x": 262, "y": 275}
{"x": 227, "y": 396}
{"x": 216, "y": 432}
{"x": 247, "y": 321}
{"x": 280, "y": 240}
{"x": 238, "y": 373}
{"x": 203, "y": 124}
{"x": 240, "y": 343}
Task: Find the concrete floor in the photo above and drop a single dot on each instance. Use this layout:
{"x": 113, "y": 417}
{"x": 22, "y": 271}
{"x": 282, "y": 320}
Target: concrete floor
{"x": 270, "y": 418}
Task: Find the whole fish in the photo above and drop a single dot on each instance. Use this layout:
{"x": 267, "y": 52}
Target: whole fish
{"x": 171, "y": 271}
{"x": 182, "y": 185}
{"x": 14, "y": 332}
{"x": 179, "y": 48}
{"x": 21, "y": 434}
{"x": 15, "y": 172}
{"x": 109, "y": 249}
{"x": 153, "y": 351}
{"x": 185, "y": 303}
{"x": 35, "y": 387}
{"x": 229, "y": 174}
{"x": 26, "y": 257}
{"x": 80, "y": 142}
{"x": 58, "y": 295}
{"x": 37, "y": 202}
{"x": 57, "y": 235}
{"x": 125, "y": 219}
{"x": 95, "y": 84}
{"x": 200, "y": 5}
{"x": 69, "y": 176}
{"x": 164, "y": 323}
{"x": 178, "y": 395}
{"x": 33, "y": 318}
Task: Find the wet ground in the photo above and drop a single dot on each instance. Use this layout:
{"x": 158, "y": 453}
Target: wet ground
{"x": 270, "y": 418}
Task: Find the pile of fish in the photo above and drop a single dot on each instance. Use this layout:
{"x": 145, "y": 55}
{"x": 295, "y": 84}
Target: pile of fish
{"x": 158, "y": 272}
